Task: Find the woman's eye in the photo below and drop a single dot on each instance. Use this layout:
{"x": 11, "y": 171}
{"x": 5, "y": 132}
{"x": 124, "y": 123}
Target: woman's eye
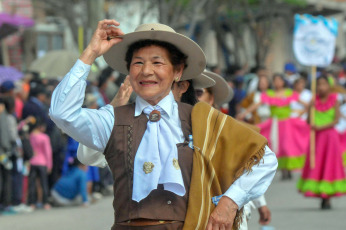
{"x": 138, "y": 63}
{"x": 157, "y": 63}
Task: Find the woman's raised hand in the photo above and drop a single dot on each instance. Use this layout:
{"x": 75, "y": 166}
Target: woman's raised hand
{"x": 105, "y": 36}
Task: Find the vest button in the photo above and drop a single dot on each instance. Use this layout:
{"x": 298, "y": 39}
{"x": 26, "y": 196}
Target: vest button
{"x": 169, "y": 202}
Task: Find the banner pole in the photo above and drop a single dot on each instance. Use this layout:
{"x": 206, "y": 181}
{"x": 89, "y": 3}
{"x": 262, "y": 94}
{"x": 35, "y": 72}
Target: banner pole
{"x": 80, "y": 39}
{"x": 312, "y": 118}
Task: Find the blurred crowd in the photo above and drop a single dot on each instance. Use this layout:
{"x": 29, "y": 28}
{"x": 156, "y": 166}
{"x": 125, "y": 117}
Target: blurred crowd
{"x": 38, "y": 164}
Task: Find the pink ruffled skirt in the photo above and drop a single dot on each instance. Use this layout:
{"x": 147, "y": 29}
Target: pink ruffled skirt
{"x": 289, "y": 139}
{"x": 343, "y": 146}
{"x": 327, "y": 178}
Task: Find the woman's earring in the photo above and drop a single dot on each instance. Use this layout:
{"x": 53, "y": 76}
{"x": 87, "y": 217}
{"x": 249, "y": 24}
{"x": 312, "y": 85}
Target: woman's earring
{"x": 176, "y": 79}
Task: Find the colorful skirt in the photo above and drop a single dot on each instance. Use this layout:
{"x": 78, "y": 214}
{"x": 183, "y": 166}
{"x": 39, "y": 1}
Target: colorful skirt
{"x": 343, "y": 146}
{"x": 327, "y": 178}
{"x": 289, "y": 139}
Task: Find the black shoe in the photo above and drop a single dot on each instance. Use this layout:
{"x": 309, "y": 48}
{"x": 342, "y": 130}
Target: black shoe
{"x": 325, "y": 205}
{"x": 284, "y": 175}
{"x": 289, "y": 175}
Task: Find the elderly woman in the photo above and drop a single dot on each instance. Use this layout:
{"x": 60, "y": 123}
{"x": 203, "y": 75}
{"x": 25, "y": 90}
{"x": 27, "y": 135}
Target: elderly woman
{"x": 145, "y": 144}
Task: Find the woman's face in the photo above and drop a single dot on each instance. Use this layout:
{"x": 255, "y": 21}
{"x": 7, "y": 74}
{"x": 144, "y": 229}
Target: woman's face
{"x": 263, "y": 84}
{"x": 322, "y": 86}
{"x": 300, "y": 85}
{"x": 279, "y": 83}
{"x": 152, "y": 73}
{"x": 205, "y": 96}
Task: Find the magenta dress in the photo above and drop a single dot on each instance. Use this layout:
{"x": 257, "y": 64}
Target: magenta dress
{"x": 288, "y": 137}
{"x": 327, "y": 178}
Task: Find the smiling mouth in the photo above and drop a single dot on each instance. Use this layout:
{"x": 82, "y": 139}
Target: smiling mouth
{"x": 148, "y": 83}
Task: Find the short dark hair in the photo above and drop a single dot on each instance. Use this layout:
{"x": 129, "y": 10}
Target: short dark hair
{"x": 37, "y": 88}
{"x": 189, "y": 97}
{"x": 9, "y": 103}
{"x": 324, "y": 77}
{"x": 39, "y": 122}
{"x": 175, "y": 55}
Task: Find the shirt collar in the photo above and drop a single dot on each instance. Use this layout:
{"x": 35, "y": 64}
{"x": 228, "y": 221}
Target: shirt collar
{"x": 166, "y": 104}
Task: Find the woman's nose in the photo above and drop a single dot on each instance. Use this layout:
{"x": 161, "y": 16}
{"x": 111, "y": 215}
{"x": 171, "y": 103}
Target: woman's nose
{"x": 147, "y": 69}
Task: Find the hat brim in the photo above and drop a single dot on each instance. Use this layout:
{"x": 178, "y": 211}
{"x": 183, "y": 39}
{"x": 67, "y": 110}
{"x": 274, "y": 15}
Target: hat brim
{"x": 196, "y": 60}
{"x": 203, "y": 81}
{"x": 222, "y": 92}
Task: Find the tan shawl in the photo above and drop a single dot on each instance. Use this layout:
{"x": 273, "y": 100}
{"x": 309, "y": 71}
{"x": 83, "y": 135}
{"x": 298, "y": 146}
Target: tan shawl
{"x": 224, "y": 149}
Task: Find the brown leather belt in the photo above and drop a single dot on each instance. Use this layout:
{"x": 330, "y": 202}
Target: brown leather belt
{"x": 146, "y": 222}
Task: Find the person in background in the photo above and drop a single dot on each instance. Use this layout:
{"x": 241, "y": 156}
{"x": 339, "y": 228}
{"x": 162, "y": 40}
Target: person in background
{"x": 260, "y": 204}
{"x": 5, "y": 159}
{"x": 239, "y": 94}
{"x": 27, "y": 151}
{"x": 327, "y": 178}
{"x": 298, "y": 109}
{"x": 263, "y": 112}
{"x": 9, "y": 89}
{"x": 291, "y": 74}
{"x": 93, "y": 174}
{"x": 36, "y": 105}
{"x": 216, "y": 96}
{"x": 40, "y": 165}
{"x": 251, "y": 80}
{"x": 16, "y": 152}
{"x": 290, "y": 149}
{"x": 71, "y": 188}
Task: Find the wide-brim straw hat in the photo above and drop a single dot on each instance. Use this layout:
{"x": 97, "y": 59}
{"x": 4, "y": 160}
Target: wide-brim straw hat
{"x": 196, "y": 61}
{"x": 222, "y": 92}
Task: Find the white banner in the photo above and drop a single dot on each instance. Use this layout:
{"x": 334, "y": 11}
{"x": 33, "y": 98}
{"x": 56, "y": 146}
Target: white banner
{"x": 314, "y": 40}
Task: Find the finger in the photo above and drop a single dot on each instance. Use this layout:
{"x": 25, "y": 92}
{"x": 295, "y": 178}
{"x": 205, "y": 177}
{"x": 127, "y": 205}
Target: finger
{"x": 114, "y": 31}
{"x": 229, "y": 227}
{"x": 222, "y": 227}
{"x": 122, "y": 89}
{"x": 127, "y": 80}
{"x": 115, "y": 41}
{"x": 106, "y": 22}
{"x": 209, "y": 225}
{"x": 216, "y": 226}
{"x": 130, "y": 90}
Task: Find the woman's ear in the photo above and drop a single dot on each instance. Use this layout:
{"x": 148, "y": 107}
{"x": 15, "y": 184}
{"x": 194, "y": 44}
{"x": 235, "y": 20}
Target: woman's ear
{"x": 178, "y": 72}
{"x": 184, "y": 86}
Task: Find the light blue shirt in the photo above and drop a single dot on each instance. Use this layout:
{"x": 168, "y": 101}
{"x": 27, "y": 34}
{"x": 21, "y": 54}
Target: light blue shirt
{"x": 93, "y": 128}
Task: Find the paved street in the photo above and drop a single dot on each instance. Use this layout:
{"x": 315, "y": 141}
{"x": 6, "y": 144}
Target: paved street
{"x": 290, "y": 210}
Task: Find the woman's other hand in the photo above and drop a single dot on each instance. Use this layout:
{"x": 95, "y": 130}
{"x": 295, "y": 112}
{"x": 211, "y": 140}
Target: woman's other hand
{"x": 123, "y": 95}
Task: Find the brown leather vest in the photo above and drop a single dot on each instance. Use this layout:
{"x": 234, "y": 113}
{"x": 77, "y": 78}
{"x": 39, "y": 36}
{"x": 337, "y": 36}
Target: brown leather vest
{"x": 120, "y": 153}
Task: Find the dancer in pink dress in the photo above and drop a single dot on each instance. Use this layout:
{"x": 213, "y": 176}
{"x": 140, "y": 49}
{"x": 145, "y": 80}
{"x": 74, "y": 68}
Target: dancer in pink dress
{"x": 327, "y": 178}
{"x": 288, "y": 136}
